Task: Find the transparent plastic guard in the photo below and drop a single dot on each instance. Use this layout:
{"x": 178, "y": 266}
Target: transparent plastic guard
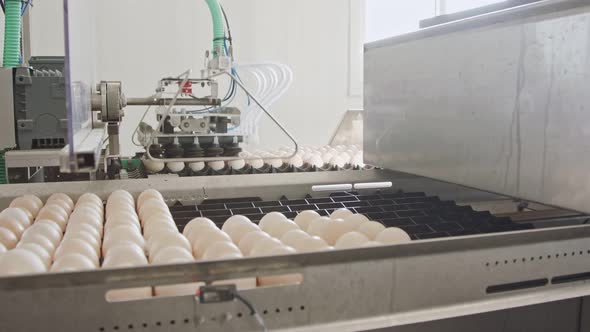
{"x": 82, "y": 153}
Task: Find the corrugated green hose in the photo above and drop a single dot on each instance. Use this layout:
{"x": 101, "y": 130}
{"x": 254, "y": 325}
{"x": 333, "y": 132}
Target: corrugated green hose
{"x": 12, "y": 26}
{"x": 218, "y": 27}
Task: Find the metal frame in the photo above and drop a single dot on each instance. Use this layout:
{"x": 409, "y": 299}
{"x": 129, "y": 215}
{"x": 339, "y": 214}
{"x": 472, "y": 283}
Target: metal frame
{"x": 342, "y": 291}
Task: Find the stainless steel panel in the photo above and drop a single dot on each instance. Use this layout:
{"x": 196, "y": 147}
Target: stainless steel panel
{"x": 7, "y": 129}
{"x": 498, "y": 102}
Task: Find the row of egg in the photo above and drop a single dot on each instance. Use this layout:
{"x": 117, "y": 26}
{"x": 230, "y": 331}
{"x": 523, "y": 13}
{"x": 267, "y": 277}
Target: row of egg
{"x": 339, "y": 156}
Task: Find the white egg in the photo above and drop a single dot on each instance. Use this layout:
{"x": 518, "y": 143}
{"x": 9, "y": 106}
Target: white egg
{"x": 8, "y": 238}
{"x": 161, "y": 217}
{"x": 371, "y": 229}
{"x": 293, "y": 236}
{"x": 82, "y": 227}
{"x": 150, "y": 207}
{"x": 318, "y": 226}
{"x": 55, "y": 213}
{"x": 175, "y": 167}
{"x": 197, "y": 167}
{"x": 153, "y": 166}
{"x": 118, "y": 207}
{"x": 38, "y": 251}
{"x": 72, "y": 262}
{"x": 76, "y": 246}
{"x": 123, "y": 215}
{"x": 264, "y": 245}
{"x": 271, "y": 247}
{"x": 147, "y": 194}
{"x": 127, "y": 254}
{"x": 14, "y": 225}
{"x": 87, "y": 211}
{"x": 337, "y": 161}
{"x": 357, "y": 160}
{"x": 40, "y": 240}
{"x": 256, "y": 163}
{"x": 20, "y": 214}
{"x": 121, "y": 234}
{"x": 47, "y": 231}
{"x": 158, "y": 229}
{"x": 60, "y": 197}
{"x": 278, "y": 229}
{"x": 356, "y": 219}
{"x": 345, "y": 157}
{"x": 296, "y": 161}
{"x": 239, "y": 231}
{"x": 86, "y": 237}
{"x": 2, "y": 249}
{"x": 121, "y": 195}
{"x": 172, "y": 255}
{"x": 249, "y": 240}
{"x": 235, "y": 221}
{"x": 351, "y": 240}
{"x": 237, "y": 164}
{"x": 311, "y": 244}
{"x": 89, "y": 198}
{"x": 304, "y": 218}
{"x": 165, "y": 240}
{"x": 270, "y": 219}
{"x": 341, "y": 214}
{"x": 221, "y": 250}
{"x": 326, "y": 157}
{"x": 197, "y": 224}
{"x": 19, "y": 262}
{"x": 216, "y": 165}
{"x": 112, "y": 223}
{"x": 206, "y": 238}
{"x": 30, "y": 203}
{"x": 82, "y": 219}
{"x": 393, "y": 235}
{"x": 316, "y": 161}
{"x": 335, "y": 229}
{"x": 274, "y": 162}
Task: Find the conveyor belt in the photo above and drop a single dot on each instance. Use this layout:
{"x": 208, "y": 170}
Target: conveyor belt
{"x": 421, "y": 216}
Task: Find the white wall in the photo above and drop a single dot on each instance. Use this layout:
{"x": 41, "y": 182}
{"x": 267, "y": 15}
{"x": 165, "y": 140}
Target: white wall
{"x": 140, "y": 41}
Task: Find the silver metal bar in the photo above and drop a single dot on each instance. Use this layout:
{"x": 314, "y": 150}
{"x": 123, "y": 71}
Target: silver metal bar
{"x": 155, "y": 101}
{"x": 32, "y": 158}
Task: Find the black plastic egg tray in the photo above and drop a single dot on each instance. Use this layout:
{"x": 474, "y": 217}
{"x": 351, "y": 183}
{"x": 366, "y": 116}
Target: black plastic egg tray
{"x": 421, "y": 216}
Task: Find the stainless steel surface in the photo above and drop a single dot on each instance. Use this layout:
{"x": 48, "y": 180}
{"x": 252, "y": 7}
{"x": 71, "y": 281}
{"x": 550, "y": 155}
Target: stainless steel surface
{"x": 350, "y": 130}
{"x": 32, "y": 158}
{"x": 86, "y": 153}
{"x": 151, "y": 101}
{"x": 507, "y": 114}
{"x": 7, "y": 131}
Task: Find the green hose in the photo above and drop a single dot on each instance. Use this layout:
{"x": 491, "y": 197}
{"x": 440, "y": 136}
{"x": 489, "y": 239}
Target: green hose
{"x": 12, "y": 26}
{"x": 218, "y": 27}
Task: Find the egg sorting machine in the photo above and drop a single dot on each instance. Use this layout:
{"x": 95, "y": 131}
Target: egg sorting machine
{"x": 439, "y": 117}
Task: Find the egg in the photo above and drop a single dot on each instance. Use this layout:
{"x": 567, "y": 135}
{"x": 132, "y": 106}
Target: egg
{"x": 82, "y": 227}
{"x": 72, "y": 263}
{"x": 296, "y": 161}
{"x": 63, "y": 204}
{"x": 147, "y": 194}
{"x": 351, "y": 240}
{"x": 92, "y": 222}
{"x": 335, "y": 229}
{"x": 2, "y": 249}
{"x": 89, "y": 198}
{"x": 8, "y": 238}
{"x": 175, "y": 167}
{"x": 171, "y": 255}
{"x": 125, "y": 254}
{"x": 357, "y": 160}
{"x": 371, "y": 229}
{"x": 29, "y": 203}
{"x": 303, "y": 219}
{"x": 21, "y": 215}
{"x": 47, "y": 231}
{"x": 122, "y": 195}
{"x": 14, "y": 225}
{"x": 237, "y": 164}
{"x": 239, "y": 231}
{"x": 55, "y": 213}
{"x": 197, "y": 167}
{"x": 270, "y": 219}
{"x": 311, "y": 244}
{"x": 356, "y": 219}
{"x": 39, "y": 251}
{"x": 197, "y": 224}
{"x": 341, "y": 214}
{"x": 124, "y": 215}
{"x": 280, "y": 228}
{"x": 63, "y": 198}
{"x": 158, "y": 218}
{"x": 86, "y": 237}
{"x": 121, "y": 234}
{"x": 235, "y": 221}
{"x": 256, "y": 163}
{"x": 318, "y": 226}
{"x": 327, "y": 157}
{"x": 393, "y": 235}
{"x": 274, "y": 162}
{"x": 19, "y": 262}
{"x": 153, "y": 166}
{"x": 150, "y": 208}
{"x": 119, "y": 206}
{"x": 337, "y": 161}
{"x": 220, "y": 250}
{"x": 77, "y": 246}
{"x": 345, "y": 157}
{"x": 293, "y": 236}
{"x": 216, "y": 165}
{"x": 316, "y": 161}
{"x": 169, "y": 239}
{"x": 158, "y": 229}
{"x": 264, "y": 245}
{"x": 88, "y": 211}
{"x": 112, "y": 223}
{"x": 40, "y": 240}
{"x": 249, "y": 240}
{"x": 206, "y": 238}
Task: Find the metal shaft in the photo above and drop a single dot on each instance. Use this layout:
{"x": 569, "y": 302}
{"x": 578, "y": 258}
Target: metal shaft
{"x": 151, "y": 101}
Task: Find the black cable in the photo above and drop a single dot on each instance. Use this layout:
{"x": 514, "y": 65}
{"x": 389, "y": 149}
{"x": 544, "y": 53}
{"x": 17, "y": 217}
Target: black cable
{"x": 2, "y": 5}
{"x": 229, "y": 37}
{"x": 253, "y": 311}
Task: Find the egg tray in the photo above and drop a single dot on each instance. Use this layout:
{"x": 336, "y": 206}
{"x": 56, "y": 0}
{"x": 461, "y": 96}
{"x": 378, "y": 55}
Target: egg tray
{"x": 421, "y": 216}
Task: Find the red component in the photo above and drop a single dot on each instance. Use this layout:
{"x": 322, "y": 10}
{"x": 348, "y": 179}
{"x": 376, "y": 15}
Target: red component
{"x": 188, "y": 88}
